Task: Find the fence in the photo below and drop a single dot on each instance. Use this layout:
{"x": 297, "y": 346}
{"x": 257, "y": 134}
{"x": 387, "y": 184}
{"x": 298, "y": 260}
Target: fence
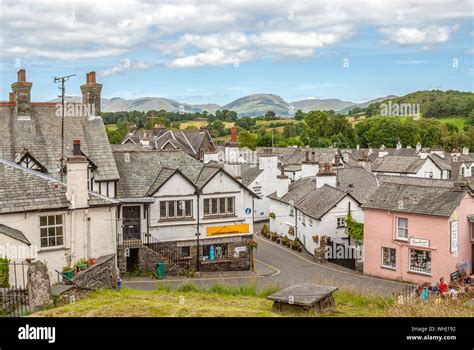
{"x": 168, "y": 254}
{"x": 13, "y": 289}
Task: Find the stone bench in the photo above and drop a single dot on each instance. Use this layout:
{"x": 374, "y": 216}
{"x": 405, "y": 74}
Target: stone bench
{"x": 304, "y": 297}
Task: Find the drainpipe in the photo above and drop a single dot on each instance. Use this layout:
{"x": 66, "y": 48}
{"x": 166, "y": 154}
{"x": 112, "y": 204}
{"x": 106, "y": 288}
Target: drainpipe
{"x": 296, "y": 223}
{"x": 197, "y": 232}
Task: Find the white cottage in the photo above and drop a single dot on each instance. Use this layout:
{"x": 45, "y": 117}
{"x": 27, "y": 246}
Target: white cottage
{"x": 56, "y": 223}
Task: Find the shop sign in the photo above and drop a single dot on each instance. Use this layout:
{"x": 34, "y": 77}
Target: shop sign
{"x": 227, "y": 230}
{"x": 418, "y": 242}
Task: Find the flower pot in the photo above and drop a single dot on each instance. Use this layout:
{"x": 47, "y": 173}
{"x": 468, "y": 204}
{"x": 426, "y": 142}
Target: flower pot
{"x": 274, "y": 238}
{"x": 81, "y": 267}
{"x": 91, "y": 262}
{"x": 67, "y": 275}
{"x": 294, "y": 247}
{"x": 300, "y": 249}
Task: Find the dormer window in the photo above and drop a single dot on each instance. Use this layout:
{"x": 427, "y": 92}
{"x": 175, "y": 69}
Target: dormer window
{"x": 29, "y": 162}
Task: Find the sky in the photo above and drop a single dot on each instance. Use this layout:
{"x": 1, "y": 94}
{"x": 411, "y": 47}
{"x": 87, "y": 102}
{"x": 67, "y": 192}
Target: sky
{"x": 203, "y": 51}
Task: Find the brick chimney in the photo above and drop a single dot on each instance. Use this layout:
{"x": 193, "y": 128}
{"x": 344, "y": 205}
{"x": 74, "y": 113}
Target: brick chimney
{"x": 77, "y": 188}
{"x": 22, "y": 96}
{"x": 91, "y": 94}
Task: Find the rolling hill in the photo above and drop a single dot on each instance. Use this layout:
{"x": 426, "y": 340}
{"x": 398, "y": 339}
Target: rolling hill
{"x": 259, "y": 104}
{"x": 321, "y": 104}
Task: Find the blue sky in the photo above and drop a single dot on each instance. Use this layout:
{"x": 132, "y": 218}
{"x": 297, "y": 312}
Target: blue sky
{"x": 217, "y": 51}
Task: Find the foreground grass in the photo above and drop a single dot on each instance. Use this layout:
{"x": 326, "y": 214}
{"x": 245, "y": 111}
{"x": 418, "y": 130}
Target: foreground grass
{"x": 224, "y": 301}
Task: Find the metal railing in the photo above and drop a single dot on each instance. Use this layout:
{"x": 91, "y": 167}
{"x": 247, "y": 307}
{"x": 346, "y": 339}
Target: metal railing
{"x": 14, "y": 300}
{"x": 164, "y": 251}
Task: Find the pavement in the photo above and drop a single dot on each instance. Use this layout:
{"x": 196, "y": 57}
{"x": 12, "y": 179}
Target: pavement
{"x": 278, "y": 267}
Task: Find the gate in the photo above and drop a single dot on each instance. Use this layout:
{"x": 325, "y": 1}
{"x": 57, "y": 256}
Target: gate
{"x": 13, "y": 289}
{"x": 341, "y": 254}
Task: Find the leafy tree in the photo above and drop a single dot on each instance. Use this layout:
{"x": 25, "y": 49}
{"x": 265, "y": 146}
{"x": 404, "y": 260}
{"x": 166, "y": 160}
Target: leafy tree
{"x": 299, "y": 115}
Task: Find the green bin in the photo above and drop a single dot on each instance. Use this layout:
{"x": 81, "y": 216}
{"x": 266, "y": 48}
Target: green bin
{"x": 160, "y": 269}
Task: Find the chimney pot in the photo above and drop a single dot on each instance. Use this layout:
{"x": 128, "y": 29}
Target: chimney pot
{"x": 21, "y": 75}
{"x": 233, "y": 134}
{"x": 92, "y": 77}
{"x": 11, "y": 97}
{"x": 76, "y": 147}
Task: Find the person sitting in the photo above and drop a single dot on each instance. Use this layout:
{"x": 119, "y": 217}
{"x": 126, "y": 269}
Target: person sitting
{"x": 425, "y": 292}
{"x": 442, "y": 286}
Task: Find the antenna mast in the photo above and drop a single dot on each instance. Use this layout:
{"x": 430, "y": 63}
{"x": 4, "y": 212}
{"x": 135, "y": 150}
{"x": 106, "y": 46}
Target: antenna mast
{"x": 62, "y": 80}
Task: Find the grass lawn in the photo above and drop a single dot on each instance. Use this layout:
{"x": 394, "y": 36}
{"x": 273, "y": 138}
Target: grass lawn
{"x": 459, "y": 122}
{"x": 223, "y": 301}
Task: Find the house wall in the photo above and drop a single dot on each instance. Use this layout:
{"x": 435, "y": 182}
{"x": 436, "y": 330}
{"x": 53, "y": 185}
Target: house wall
{"x": 380, "y": 231}
{"x": 467, "y": 169}
{"x": 178, "y": 188}
{"x": 429, "y": 167}
{"x": 326, "y": 226}
{"x": 87, "y": 233}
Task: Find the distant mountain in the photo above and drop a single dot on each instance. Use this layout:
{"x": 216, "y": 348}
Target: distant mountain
{"x": 365, "y": 104}
{"x": 144, "y": 104}
{"x": 321, "y": 104}
{"x": 259, "y": 104}
{"x": 208, "y": 107}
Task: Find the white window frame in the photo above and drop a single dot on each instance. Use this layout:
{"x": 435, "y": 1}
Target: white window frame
{"x": 401, "y": 238}
{"x": 175, "y": 207}
{"x": 47, "y": 227}
{"x": 338, "y": 219}
{"x": 382, "y": 258}
{"x": 225, "y": 212}
{"x": 417, "y": 271}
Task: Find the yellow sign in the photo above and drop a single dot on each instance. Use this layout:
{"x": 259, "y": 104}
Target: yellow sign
{"x": 227, "y": 230}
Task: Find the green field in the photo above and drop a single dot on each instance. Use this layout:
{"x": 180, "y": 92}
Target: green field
{"x": 245, "y": 301}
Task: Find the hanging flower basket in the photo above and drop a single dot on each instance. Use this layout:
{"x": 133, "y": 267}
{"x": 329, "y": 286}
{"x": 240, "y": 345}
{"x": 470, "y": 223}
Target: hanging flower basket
{"x": 272, "y": 215}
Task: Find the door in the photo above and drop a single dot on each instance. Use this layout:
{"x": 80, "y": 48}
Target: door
{"x": 131, "y": 222}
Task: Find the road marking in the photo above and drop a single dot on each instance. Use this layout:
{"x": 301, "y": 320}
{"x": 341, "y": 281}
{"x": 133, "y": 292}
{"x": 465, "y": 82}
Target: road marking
{"x": 277, "y": 272}
{"x": 327, "y": 267}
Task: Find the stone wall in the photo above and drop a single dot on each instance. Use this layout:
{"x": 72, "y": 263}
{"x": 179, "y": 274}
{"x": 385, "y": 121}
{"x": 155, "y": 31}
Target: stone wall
{"x": 103, "y": 274}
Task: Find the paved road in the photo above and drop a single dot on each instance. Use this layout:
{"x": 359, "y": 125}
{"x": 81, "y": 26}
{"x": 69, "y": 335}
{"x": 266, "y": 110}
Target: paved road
{"x": 278, "y": 266}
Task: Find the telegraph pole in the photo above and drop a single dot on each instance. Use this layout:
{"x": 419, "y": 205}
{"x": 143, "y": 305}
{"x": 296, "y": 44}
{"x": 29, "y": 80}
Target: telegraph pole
{"x": 62, "y": 80}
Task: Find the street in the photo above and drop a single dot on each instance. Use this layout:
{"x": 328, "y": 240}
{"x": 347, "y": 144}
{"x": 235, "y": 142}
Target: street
{"x": 278, "y": 266}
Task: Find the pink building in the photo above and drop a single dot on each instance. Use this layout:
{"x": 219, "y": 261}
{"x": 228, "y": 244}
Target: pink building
{"x": 418, "y": 231}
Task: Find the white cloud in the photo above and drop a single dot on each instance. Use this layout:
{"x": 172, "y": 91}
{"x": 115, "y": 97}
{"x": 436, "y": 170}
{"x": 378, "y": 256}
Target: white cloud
{"x": 193, "y": 33}
{"x": 125, "y": 66}
{"x": 410, "y": 62}
{"x": 414, "y": 36}
{"x": 470, "y": 51}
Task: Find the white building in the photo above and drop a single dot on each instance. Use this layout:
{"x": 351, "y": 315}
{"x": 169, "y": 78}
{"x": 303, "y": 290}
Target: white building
{"x": 171, "y": 197}
{"x": 318, "y": 206}
{"x": 407, "y": 166}
{"x": 56, "y": 223}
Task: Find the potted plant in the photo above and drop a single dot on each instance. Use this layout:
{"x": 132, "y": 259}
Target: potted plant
{"x": 284, "y": 241}
{"x": 265, "y": 231}
{"x": 91, "y": 261}
{"x": 272, "y": 215}
{"x": 252, "y": 244}
{"x": 315, "y": 238}
{"x": 274, "y": 236}
{"x": 68, "y": 273}
{"x": 81, "y": 265}
{"x": 295, "y": 245}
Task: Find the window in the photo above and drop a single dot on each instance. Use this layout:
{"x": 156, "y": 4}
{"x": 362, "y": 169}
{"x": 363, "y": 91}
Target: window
{"x": 219, "y": 206}
{"x": 303, "y": 220}
{"x": 420, "y": 261}
{"x": 389, "y": 258}
{"x": 176, "y": 209}
{"x": 186, "y": 251}
{"x": 341, "y": 221}
{"x": 214, "y": 251}
{"x": 310, "y": 222}
{"x": 429, "y": 174}
{"x": 292, "y": 211}
{"x": 51, "y": 230}
{"x": 402, "y": 228}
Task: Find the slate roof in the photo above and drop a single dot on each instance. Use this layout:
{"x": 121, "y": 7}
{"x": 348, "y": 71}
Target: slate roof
{"x": 142, "y": 171}
{"x": 41, "y": 137}
{"x": 415, "y": 198}
{"x": 13, "y": 233}
{"x": 398, "y": 164}
{"x": 188, "y": 141}
{"x": 442, "y": 163}
{"x": 22, "y": 189}
{"x": 296, "y": 155}
{"x": 249, "y": 173}
{"x": 357, "y": 181}
{"x": 319, "y": 201}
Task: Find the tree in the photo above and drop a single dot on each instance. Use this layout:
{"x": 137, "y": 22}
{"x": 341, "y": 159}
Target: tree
{"x": 270, "y": 114}
{"x": 217, "y": 128}
{"x": 299, "y": 115}
{"x": 247, "y": 139}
